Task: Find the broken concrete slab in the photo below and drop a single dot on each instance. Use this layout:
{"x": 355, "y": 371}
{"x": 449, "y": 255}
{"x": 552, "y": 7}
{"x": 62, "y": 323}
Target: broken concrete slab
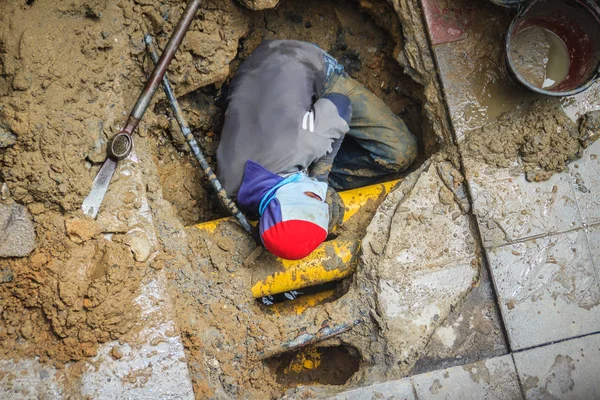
{"x": 508, "y": 208}
{"x": 17, "y": 234}
{"x": 567, "y": 370}
{"x": 148, "y": 360}
{"x": 418, "y": 262}
{"x": 548, "y": 289}
{"x": 29, "y": 379}
{"x": 150, "y": 365}
{"x": 428, "y": 227}
{"x": 400, "y": 389}
{"x": 473, "y": 331}
{"x": 494, "y": 378}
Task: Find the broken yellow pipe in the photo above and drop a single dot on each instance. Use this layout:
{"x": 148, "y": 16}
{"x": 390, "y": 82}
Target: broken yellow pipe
{"x": 331, "y": 261}
{"x": 353, "y": 200}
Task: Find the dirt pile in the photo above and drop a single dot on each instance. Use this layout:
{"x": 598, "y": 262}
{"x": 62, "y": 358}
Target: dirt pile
{"x": 543, "y": 138}
{"x": 68, "y": 74}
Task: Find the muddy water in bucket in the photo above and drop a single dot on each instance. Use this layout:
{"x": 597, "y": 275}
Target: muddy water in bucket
{"x": 553, "y": 46}
{"x": 540, "y": 57}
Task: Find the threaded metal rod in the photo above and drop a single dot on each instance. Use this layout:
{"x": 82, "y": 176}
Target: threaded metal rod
{"x": 189, "y": 137}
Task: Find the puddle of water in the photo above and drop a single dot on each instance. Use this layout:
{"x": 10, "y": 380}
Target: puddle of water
{"x": 491, "y": 97}
{"x": 540, "y": 57}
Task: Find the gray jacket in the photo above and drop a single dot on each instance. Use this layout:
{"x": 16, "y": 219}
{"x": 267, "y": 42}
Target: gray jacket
{"x": 274, "y": 115}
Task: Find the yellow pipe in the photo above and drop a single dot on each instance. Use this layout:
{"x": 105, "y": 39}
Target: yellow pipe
{"x": 301, "y": 304}
{"x": 353, "y": 200}
{"x": 306, "y": 359}
{"x": 331, "y": 261}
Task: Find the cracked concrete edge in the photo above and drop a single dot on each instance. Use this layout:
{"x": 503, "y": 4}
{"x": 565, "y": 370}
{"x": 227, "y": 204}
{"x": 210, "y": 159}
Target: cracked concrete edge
{"x": 382, "y": 220}
{"x": 490, "y": 378}
{"x": 418, "y": 60}
{"x": 405, "y": 263}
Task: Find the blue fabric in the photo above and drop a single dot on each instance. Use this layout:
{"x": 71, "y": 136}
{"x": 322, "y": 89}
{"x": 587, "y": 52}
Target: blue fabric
{"x": 271, "y": 216}
{"x": 270, "y": 195}
{"x": 331, "y": 66}
{"x": 343, "y": 105}
{"x": 256, "y": 183}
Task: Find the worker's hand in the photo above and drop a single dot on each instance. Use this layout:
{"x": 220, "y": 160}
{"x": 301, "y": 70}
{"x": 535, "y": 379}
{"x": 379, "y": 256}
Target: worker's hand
{"x": 336, "y": 209}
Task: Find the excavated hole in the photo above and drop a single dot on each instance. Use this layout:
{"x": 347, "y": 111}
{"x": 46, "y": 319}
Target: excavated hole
{"x": 315, "y": 365}
{"x": 351, "y": 36}
{"x": 365, "y": 47}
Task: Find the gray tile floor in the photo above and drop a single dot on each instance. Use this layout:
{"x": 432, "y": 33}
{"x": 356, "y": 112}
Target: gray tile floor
{"x": 542, "y": 246}
{"x": 548, "y": 288}
{"x": 566, "y": 370}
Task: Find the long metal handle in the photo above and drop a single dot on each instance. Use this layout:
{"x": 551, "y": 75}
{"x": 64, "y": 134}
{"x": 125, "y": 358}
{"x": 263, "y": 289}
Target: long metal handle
{"x": 161, "y": 67}
{"x": 185, "y": 129}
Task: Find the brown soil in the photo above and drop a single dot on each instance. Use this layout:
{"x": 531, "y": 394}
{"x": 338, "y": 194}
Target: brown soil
{"x": 69, "y": 72}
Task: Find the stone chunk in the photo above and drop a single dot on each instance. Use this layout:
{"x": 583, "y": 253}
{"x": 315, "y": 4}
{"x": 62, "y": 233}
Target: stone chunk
{"x": 22, "y": 80}
{"x": 140, "y": 244}
{"x": 260, "y": 4}
{"x": 17, "y": 235}
{"x": 6, "y": 275}
{"x": 589, "y": 128}
{"x": 7, "y": 137}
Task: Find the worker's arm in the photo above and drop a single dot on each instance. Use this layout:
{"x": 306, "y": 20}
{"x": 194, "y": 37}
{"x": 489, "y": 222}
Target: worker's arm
{"x": 320, "y": 169}
{"x": 339, "y": 122}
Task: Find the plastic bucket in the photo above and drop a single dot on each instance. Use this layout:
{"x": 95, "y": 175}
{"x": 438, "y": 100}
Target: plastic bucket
{"x": 576, "y": 25}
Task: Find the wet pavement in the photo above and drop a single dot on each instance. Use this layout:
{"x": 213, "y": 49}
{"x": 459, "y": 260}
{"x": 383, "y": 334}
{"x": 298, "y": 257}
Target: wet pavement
{"x": 540, "y": 240}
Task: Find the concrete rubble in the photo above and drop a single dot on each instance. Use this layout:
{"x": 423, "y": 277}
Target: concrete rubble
{"x": 17, "y": 232}
{"x": 148, "y": 362}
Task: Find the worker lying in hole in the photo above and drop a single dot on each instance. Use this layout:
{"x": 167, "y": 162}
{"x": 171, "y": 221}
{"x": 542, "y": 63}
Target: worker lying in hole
{"x": 296, "y": 128}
